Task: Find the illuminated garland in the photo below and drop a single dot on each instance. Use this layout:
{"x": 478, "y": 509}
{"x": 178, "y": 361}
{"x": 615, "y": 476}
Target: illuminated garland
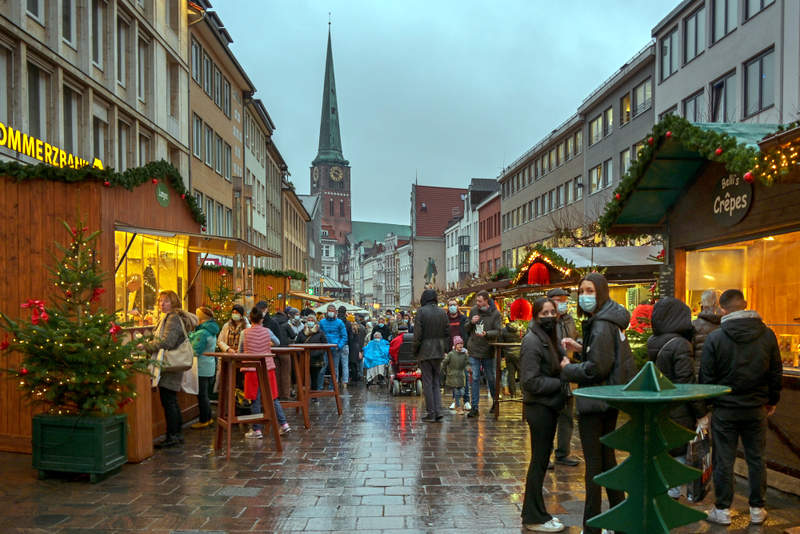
{"x": 289, "y": 273}
{"x": 548, "y": 256}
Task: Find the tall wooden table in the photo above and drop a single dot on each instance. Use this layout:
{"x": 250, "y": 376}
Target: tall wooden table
{"x": 301, "y": 403}
{"x": 498, "y": 354}
{"x": 307, "y": 392}
{"x": 226, "y": 408}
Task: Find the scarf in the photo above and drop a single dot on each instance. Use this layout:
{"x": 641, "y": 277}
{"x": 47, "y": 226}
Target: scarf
{"x": 233, "y": 333}
{"x": 308, "y": 332}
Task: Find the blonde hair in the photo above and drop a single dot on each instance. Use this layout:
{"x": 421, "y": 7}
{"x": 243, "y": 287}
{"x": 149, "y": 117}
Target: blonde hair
{"x": 173, "y": 298}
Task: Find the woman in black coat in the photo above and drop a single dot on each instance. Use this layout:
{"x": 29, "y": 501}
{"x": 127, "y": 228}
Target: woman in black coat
{"x": 312, "y": 334}
{"x": 605, "y": 359}
{"x": 384, "y": 329}
{"x": 544, "y": 395}
{"x": 670, "y": 349}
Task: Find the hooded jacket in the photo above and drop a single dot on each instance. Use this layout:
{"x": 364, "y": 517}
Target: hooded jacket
{"x": 334, "y": 330}
{"x": 510, "y": 335}
{"x": 453, "y": 367}
{"x": 540, "y": 369}
{"x": 285, "y": 332}
{"x": 204, "y": 339}
{"x": 606, "y": 358}
{"x": 707, "y": 321}
{"x": 744, "y": 355}
{"x": 671, "y": 351}
{"x": 458, "y": 327}
{"x": 478, "y": 346}
{"x": 430, "y": 329}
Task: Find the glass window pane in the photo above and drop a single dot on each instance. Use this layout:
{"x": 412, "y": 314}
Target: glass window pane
{"x": 732, "y": 12}
{"x": 752, "y": 85}
{"x": 730, "y": 99}
{"x": 690, "y": 38}
{"x": 701, "y": 30}
{"x": 768, "y": 80}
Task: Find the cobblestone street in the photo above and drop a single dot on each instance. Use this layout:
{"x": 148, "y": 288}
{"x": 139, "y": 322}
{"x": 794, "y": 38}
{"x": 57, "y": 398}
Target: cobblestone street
{"x": 377, "y": 468}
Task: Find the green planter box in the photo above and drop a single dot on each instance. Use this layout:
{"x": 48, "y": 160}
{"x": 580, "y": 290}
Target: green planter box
{"x": 96, "y": 445}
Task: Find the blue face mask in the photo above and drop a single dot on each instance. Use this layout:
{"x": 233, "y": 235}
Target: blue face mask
{"x": 587, "y": 303}
{"x": 562, "y": 307}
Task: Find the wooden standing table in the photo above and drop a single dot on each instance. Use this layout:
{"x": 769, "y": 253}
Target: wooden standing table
{"x": 498, "y": 354}
{"x": 302, "y": 402}
{"x": 226, "y": 408}
{"x": 308, "y": 393}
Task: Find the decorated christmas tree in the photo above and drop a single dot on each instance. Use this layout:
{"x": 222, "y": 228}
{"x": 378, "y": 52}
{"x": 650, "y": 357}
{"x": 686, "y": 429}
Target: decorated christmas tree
{"x": 222, "y": 298}
{"x": 74, "y": 357}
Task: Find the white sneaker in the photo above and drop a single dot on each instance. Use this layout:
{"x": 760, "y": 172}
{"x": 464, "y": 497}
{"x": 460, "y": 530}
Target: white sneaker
{"x": 675, "y": 493}
{"x": 467, "y": 406}
{"x": 285, "y": 429}
{"x": 550, "y": 526}
{"x": 453, "y": 406}
{"x": 723, "y": 517}
{"x": 757, "y": 515}
{"x": 256, "y": 434}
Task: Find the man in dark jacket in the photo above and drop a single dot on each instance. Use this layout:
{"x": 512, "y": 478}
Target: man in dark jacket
{"x": 566, "y": 418}
{"x": 458, "y": 328}
{"x": 484, "y": 326}
{"x": 429, "y": 347}
{"x": 744, "y": 355}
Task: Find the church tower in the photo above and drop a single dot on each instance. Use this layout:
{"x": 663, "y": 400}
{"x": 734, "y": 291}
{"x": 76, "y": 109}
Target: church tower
{"x": 330, "y": 172}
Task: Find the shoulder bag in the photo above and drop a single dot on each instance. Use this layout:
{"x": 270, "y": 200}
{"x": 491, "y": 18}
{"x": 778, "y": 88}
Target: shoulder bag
{"x": 179, "y": 359}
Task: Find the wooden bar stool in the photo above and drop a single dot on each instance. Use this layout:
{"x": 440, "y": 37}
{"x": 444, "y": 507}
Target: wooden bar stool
{"x": 226, "y": 408}
{"x": 301, "y": 403}
{"x": 307, "y": 348}
{"x": 498, "y": 354}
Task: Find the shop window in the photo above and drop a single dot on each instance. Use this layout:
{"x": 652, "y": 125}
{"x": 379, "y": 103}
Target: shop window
{"x": 694, "y": 35}
{"x": 759, "y": 83}
{"x": 151, "y": 265}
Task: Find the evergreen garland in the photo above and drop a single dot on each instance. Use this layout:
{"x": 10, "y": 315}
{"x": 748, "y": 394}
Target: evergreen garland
{"x": 294, "y": 275}
{"x": 134, "y": 177}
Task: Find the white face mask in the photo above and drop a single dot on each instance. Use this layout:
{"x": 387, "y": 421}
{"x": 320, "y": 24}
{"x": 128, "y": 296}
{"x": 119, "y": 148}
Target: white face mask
{"x": 453, "y": 309}
{"x": 331, "y": 314}
{"x": 236, "y": 317}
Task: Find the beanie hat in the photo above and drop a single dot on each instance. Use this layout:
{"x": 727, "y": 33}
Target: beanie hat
{"x": 205, "y": 313}
{"x": 457, "y": 340}
{"x": 351, "y": 318}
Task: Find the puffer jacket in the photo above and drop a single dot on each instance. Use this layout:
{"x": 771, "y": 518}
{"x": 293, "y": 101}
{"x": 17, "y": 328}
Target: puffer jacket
{"x": 707, "y": 321}
{"x": 510, "y": 335}
{"x": 453, "y": 368}
{"x": 670, "y": 350}
{"x": 478, "y": 346}
{"x": 285, "y": 332}
{"x": 744, "y": 355}
{"x": 430, "y": 329}
{"x": 603, "y": 335}
{"x": 539, "y": 370}
{"x": 204, "y": 339}
{"x": 334, "y": 330}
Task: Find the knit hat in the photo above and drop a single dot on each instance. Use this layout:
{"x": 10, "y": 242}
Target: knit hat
{"x": 457, "y": 340}
{"x": 262, "y": 304}
{"x": 205, "y": 313}
{"x": 351, "y": 318}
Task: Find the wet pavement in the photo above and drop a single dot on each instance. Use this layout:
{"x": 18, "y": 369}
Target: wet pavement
{"x": 377, "y": 468}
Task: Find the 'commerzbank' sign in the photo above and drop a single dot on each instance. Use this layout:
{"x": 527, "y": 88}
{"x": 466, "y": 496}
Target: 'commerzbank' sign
{"x": 38, "y": 149}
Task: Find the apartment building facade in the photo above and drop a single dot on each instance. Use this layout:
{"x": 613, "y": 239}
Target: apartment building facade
{"x": 617, "y": 117}
{"x": 293, "y": 223}
{"x": 729, "y": 61}
{"x": 97, "y": 80}
{"x": 542, "y": 191}
{"x": 489, "y": 241}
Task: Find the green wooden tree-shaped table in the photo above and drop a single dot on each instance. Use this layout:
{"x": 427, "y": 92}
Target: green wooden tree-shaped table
{"x": 649, "y": 471}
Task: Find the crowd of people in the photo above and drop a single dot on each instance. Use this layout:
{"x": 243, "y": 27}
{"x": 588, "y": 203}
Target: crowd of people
{"x": 727, "y": 345}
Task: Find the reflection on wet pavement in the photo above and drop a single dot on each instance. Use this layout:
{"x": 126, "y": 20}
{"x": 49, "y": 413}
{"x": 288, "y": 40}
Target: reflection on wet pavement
{"x": 377, "y": 468}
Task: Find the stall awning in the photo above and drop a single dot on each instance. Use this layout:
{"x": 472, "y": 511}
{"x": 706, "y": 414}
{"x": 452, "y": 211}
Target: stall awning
{"x": 672, "y": 170}
{"x": 206, "y": 244}
{"x": 584, "y": 257}
{"x": 306, "y": 296}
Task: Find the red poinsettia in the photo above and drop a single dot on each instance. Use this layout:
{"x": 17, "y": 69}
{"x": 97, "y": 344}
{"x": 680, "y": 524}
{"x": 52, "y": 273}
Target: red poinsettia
{"x": 113, "y": 330}
{"x": 96, "y": 294}
{"x": 37, "y": 307}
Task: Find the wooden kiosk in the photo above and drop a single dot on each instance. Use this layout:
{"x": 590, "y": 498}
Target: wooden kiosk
{"x": 151, "y": 242}
{"x": 726, "y": 200}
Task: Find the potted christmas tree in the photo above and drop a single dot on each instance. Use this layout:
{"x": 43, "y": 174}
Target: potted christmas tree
{"x": 76, "y": 365}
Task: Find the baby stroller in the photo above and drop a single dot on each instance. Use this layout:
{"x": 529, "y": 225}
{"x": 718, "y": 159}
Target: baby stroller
{"x": 405, "y": 375}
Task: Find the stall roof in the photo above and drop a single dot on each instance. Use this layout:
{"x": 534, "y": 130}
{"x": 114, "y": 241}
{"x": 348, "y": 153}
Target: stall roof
{"x": 205, "y": 244}
{"x": 672, "y": 170}
{"x": 584, "y": 257}
{"x": 307, "y": 296}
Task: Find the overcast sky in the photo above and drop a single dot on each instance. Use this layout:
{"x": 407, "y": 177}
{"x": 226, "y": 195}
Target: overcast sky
{"x": 450, "y": 90}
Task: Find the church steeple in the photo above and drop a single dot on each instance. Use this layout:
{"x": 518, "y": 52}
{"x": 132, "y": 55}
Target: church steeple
{"x": 330, "y": 141}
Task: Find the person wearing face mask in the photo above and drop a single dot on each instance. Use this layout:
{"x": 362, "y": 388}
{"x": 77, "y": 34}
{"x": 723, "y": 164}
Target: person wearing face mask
{"x": 295, "y": 321}
{"x": 484, "y": 327}
{"x": 383, "y": 328}
{"x": 565, "y": 327}
{"x": 458, "y": 328}
{"x": 336, "y": 332}
{"x": 312, "y": 334}
{"x": 544, "y": 395}
{"x": 605, "y": 359}
{"x": 228, "y": 339}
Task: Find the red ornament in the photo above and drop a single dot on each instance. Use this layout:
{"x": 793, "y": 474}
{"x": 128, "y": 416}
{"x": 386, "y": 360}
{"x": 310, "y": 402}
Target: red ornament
{"x": 748, "y": 177}
{"x": 122, "y": 403}
{"x": 69, "y": 293}
{"x": 23, "y": 371}
{"x": 106, "y": 184}
{"x": 202, "y": 228}
{"x": 650, "y": 141}
{"x": 183, "y": 196}
{"x": 520, "y": 310}
{"x": 719, "y": 151}
{"x": 669, "y": 134}
{"x": 269, "y": 288}
{"x": 538, "y": 275}
{"x": 223, "y": 272}
{"x": 155, "y": 180}
{"x": 618, "y": 196}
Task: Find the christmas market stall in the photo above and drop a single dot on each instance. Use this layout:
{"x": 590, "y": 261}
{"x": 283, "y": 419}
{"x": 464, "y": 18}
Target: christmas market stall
{"x": 726, "y": 200}
{"x": 152, "y": 240}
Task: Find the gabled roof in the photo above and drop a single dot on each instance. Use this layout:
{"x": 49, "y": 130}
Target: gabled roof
{"x": 376, "y": 232}
{"x": 434, "y": 207}
{"x": 310, "y": 202}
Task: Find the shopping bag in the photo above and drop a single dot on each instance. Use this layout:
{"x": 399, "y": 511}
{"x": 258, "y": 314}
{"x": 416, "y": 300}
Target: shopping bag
{"x": 698, "y": 455}
{"x": 191, "y": 380}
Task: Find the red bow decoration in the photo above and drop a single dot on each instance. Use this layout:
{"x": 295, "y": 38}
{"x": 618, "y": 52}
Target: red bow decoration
{"x": 4, "y": 344}
{"x": 223, "y": 272}
{"x": 96, "y": 294}
{"x": 37, "y": 307}
{"x": 662, "y": 254}
{"x": 653, "y": 287}
{"x": 113, "y": 330}
{"x": 75, "y": 231}
{"x": 124, "y": 402}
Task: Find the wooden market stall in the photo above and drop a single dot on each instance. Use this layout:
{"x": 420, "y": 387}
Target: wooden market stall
{"x": 151, "y": 241}
{"x": 726, "y": 199}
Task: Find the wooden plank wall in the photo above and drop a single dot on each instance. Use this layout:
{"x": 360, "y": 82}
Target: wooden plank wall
{"x": 261, "y": 285}
{"x": 31, "y": 210}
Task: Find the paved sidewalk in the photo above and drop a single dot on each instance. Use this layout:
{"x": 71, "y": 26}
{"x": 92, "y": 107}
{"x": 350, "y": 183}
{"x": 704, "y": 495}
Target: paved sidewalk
{"x": 376, "y": 468}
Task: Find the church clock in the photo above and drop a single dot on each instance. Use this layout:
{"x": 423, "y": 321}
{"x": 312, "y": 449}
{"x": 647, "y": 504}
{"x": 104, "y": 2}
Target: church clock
{"x": 336, "y": 173}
